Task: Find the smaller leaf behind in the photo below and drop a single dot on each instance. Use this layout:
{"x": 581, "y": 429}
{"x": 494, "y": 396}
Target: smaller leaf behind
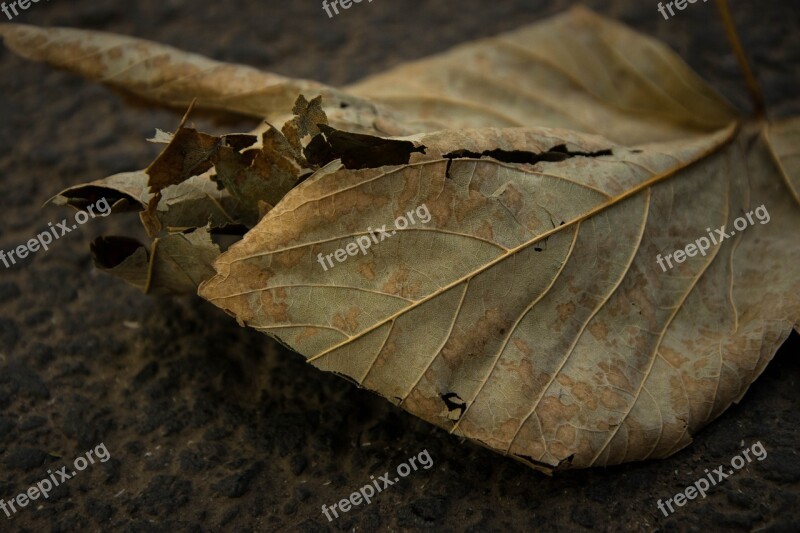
{"x": 253, "y": 175}
{"x": 176, "y": 264}
{"x": 308, "y": 116}
{"x": 260, "y": 175}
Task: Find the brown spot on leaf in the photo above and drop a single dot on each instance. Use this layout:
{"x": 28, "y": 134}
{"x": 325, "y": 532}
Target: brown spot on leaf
{"x": 612, "y": 400}
{"x": 367, "y": 270}
{"x": 347, "y": 321}
{"x": 599, "y": 329}
{"x": 273, "y": 307}
{"x": 565, "y": 311}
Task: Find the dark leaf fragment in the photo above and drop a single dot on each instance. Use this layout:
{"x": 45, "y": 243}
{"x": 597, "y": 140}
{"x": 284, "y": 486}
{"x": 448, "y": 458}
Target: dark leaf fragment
{"x": 358, "y": 151}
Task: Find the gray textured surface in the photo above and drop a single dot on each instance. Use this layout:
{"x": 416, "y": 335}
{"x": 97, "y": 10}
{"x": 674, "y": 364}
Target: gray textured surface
{"x": 212, "y": 427}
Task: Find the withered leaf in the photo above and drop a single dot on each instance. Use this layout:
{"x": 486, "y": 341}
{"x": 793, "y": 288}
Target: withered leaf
{"x": 188, "y": 153}
{"x": 195, "y": 203}
{"x": 530, "y": 314}
{"x": 169, "y": 76}
{"x": 308, "y": 116}
{"x": 126, "y": 191}
{"x": 191, "y": 204}
{"x": 191, "y": 153}
{"x": 555, "y": 73}
{"x": 577, "y": 70}
{"x": 259, "y": 175}
{"x": 123, "y": 257}
{"x": 176, "y": 263}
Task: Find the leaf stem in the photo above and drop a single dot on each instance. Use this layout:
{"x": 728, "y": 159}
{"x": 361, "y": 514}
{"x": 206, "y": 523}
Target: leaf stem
{"x": 733, "y": 38}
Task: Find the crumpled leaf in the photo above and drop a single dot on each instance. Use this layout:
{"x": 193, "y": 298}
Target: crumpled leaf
{"x": 172, "y": 77}
{"x": 175, "y": 258}
{"x": 195, "y": 203}
{"x": 308, "y": 116}
{"x": 577, "y": 70}
{"x": 188, "y": 154}
{"x": 191, "y": 153}
{"x": 191, "y": 204}
{"x": 260, "y": 175}
{"x": 226, "y": 182}
{"x": 175, "y": 264}
{"x": 123, "y": 257}
{"x": 126, "y": 191}
{"x": 530, "y": 314}
{"x": 252, "y": 175}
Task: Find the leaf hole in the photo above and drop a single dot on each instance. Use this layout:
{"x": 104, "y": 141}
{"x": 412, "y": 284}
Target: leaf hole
{"x": 454, "y": 402}
{"x": 553, "y": 155}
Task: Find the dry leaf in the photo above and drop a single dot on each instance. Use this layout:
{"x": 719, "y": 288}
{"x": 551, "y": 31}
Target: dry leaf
{"x": 260, "y": 175}
{"x": 529, "y": 314}
{"x": 191, "y": 204}
{"x": 176, "y": 263}
{"x": 178, "y": 193}
{"x": 124, "y": 192}
{"x": 308, "y": 117}
{"x": 176, "y": 78}
{"x": 577, "y": 70}
{"x": 123, "y": 257}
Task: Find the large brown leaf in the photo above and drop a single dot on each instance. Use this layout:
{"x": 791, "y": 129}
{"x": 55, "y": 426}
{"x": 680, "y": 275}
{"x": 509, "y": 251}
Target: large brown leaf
{"x": 577, "y": 70}
{"x": 530, "y": 314}
{"x": 176, "y": 78}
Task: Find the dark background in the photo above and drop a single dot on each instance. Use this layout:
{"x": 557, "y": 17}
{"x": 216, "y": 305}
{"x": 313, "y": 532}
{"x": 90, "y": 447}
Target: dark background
{"x": 212, "y": 427}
